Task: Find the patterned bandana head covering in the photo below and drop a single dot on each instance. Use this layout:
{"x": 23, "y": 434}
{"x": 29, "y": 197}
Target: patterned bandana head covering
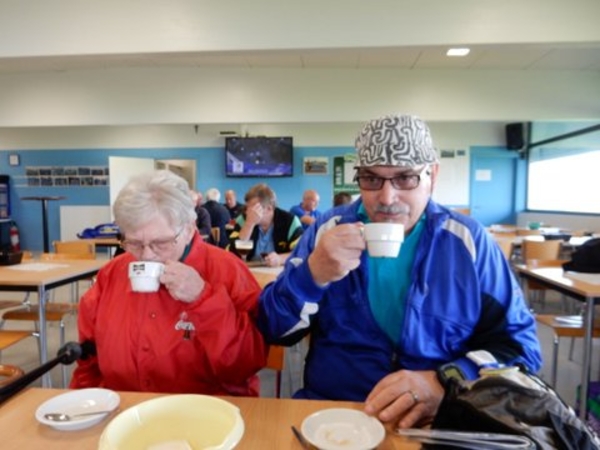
{"x": 395, "y": 140}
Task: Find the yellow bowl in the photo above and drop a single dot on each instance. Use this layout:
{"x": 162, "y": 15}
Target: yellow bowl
{"x": 174, "y": 421}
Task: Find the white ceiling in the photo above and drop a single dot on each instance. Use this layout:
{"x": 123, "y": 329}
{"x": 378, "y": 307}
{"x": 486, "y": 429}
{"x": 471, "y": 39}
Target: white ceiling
{"x": 576, "y": 57}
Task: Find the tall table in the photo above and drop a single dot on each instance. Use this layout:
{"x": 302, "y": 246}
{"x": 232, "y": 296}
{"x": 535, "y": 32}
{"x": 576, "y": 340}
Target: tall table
{"x": 44, "y": 203}
{"x": 267, "y": 422}
{"x": 35, "y": 276}
{"x": 582, "y": 287}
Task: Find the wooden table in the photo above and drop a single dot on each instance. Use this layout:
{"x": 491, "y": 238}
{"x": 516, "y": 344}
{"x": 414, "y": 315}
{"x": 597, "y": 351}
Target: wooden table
{"x": 587, "y": 291}
{"x": 26, "y": 278}
{"x": 267, "y": 422}
{"x": 264, "y": 275}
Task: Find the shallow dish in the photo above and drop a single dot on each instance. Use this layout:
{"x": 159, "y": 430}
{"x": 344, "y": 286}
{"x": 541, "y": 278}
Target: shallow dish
{"x": 342, "y": 428}
{"x": 175, "y": 421}
{"x": 76, "y": 402}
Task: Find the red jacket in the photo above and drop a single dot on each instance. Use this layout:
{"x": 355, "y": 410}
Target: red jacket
{"x": 141, "y": 341}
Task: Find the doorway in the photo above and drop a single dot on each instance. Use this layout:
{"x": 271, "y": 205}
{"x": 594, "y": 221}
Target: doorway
{"x": 121, "y": 169}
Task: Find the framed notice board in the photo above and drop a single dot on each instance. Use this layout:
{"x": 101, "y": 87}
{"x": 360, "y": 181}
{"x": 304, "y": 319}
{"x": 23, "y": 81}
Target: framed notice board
{"x": 343, "y": 174}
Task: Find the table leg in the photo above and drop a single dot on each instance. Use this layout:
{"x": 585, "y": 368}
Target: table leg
{"x": 587, "y": 358}
{"x": 43, "y": 329}
{"x": 45, "y": 224}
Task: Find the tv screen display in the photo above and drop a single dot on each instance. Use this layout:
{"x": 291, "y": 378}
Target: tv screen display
{"x": 259, "y": 157}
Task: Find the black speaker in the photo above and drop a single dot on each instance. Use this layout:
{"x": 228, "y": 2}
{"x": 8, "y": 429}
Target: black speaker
{"x": 515, "y": 136}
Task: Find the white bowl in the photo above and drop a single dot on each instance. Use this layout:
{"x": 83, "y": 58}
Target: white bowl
{"x": 343, "y": 429}
{"x": 78, "y": 401}
{"x": 198, "y": 421}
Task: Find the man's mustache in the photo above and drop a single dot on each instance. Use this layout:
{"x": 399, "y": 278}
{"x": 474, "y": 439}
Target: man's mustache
{"x": 392, "y": 209}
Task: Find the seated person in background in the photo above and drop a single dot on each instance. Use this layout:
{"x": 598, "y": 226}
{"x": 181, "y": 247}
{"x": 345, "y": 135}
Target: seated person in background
{"x": 273, "y": 230}
{"x": 197, "y": 333}
{"x": 219, "y": 216}
{"x": 342, "y": 198}
{"x": 307, "y": 209}
{"x": 232, "y": 205}
{"x": 380, "y": 328}
{"x": 203, "y": 223}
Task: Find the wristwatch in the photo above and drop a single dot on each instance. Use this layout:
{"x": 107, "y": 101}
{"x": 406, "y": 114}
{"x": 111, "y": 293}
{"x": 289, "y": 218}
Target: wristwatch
{"x": 449, "y": 371}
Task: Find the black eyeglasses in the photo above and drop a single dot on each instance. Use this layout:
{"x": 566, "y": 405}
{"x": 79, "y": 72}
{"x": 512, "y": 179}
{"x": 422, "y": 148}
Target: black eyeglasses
{"x": 402, "y": 182}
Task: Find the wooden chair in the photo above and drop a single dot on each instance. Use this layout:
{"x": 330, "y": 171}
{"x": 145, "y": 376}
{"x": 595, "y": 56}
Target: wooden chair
{"x": 55, "y": 311}
{"x": 9, "y": 373}
{"x": 11, "y": 337}
{"x": 563, "y": 328}
{"x": 539, "y": 254}
{"x": 6, "y": 304}
{"x": 72, "y": 250}
{"x": 506, "y": 246}
{"x": 215, "y": 233}
{"x": 275, "y": 361}
{"x": 80, "y": 247}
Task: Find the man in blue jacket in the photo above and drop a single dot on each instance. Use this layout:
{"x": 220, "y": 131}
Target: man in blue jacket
{"x": 382, "y": 330}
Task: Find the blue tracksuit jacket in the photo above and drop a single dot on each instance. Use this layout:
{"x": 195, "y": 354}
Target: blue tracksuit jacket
{"x": 463, "y": 296}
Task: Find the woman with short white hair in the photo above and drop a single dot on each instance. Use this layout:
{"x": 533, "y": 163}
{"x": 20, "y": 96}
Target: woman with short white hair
{"x": 197, "y": 333}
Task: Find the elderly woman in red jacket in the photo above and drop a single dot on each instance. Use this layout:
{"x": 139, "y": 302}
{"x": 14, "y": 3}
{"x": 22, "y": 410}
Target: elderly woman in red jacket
{"x": 197, "y": 333}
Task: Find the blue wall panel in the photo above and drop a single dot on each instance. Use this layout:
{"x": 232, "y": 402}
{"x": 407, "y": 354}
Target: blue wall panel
{"x": 210, "y": 173}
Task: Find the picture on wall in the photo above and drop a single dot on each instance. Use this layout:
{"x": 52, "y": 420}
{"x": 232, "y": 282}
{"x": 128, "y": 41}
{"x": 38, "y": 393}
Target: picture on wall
{"x": 316, "y": 165}
{"x": 63, "y": 176}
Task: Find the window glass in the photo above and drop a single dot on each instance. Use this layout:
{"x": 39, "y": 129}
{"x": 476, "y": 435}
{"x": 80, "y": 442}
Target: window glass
{"x": 561, "y": 179}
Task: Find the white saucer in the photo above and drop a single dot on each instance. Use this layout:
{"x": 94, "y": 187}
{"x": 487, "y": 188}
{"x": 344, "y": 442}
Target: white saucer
{"x": 78, "y": 401}
{"x": 342, "y": 429}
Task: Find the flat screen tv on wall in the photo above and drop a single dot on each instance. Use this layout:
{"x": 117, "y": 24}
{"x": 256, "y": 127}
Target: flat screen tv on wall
{"x": 259, "y": 157}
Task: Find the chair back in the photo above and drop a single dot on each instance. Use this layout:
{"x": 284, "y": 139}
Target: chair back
{"x": 215, "y": 232}
{"x": 66, "y": 256}
{"x": 9, "y": 373}
{"x": 506, "y": 246}
{"x": 82, "y": 248}
{"x": 541, "y": 250}
{"x": 275, "y": 357}
{"x": 535, "y": 263}
{"x": 275, "y": 361}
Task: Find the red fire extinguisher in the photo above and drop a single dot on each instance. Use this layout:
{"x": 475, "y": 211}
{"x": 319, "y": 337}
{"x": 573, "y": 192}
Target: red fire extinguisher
{"x": 15, "y": 245}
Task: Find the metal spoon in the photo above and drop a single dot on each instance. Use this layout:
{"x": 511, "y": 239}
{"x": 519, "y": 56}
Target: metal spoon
{"x": 301, "y": 439}
{"x": 61, "y": 417}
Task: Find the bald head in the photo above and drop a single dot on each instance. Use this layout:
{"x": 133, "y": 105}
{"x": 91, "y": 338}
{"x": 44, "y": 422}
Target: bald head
{"x": 310, "y": 200}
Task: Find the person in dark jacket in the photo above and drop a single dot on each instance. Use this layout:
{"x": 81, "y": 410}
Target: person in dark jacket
{"x": 273, "y": 230}
{"x": 233, "y": 206}
{"x": 202, "y": 217}
{"x": 219, "y": 216}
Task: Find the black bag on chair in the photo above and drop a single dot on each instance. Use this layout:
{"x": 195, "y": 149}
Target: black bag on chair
{"x": 513, "y": 402}
{"x": 586, "y": 258}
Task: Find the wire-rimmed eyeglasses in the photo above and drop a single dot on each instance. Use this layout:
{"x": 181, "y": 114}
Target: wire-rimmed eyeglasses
{"x": 401, "y": 182}
{"x": 156, "y": 246}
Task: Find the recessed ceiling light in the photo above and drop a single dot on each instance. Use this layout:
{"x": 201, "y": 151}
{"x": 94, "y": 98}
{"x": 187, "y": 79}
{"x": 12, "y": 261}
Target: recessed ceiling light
{"x": 458, "y": 52}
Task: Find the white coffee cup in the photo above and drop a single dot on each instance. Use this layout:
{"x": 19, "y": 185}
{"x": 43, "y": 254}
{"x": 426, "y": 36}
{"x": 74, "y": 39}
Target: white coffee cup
{"x": 144, "y": 275}
{"x": 384, "y": 239}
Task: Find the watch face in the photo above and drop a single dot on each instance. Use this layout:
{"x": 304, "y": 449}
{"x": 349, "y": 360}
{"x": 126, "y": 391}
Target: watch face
{"x": 450, "y": 371}
{"x": 453, "y": 372}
